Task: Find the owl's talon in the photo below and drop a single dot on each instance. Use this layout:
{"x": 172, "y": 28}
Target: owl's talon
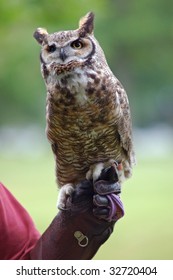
{"x": 62, "y": 207}
{"x": 64, "y": 193}
{"x": 96, "y": 170}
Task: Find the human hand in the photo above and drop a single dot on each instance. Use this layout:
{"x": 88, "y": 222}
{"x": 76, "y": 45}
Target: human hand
{"x": 108, "y": 205}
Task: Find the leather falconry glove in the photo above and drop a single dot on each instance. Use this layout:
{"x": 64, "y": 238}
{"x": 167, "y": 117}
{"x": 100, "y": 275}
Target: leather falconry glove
{"x": 78, "y": 232}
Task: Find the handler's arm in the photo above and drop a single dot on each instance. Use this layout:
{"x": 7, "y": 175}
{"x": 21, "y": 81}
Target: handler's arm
{"x": 73, "y": 234}
{"x": 77, "y": 233}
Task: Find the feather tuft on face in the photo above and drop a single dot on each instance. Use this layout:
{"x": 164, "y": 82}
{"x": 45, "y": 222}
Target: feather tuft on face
{"x": 86, "y": 24}
{"x": 41, "y": 35}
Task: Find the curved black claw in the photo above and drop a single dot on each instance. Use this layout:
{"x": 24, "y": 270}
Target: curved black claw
{"x": 109, "y": 174}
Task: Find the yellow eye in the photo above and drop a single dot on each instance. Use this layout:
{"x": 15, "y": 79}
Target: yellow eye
{"x": 77, "y": 44}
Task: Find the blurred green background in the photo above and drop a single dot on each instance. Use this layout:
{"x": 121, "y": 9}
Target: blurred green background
{"x": 137, "y": 37}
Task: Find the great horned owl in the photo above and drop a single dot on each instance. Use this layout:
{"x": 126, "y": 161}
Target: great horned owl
{"x": 88, "y": 115}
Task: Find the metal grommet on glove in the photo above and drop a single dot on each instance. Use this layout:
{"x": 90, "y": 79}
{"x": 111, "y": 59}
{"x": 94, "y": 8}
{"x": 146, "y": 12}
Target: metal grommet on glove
{"x": 82, "y": 239}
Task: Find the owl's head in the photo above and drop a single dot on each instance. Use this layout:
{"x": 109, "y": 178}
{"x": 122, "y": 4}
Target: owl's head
{"x": 64, "y": 47}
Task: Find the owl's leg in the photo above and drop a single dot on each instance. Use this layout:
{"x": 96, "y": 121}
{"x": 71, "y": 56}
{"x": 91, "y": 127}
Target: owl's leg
{"x": 64, "y": 193}
{"x": 96, "y": 170}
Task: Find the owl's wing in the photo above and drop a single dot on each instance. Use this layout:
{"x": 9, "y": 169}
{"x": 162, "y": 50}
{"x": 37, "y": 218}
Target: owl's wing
{"x": 125, "y": 124}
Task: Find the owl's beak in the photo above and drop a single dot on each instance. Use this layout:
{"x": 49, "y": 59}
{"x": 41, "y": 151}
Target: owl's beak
{"x": 62, "y": 54}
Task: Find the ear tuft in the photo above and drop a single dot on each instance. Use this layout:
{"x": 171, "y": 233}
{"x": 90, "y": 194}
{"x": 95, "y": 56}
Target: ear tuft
{"x": 40, "y": 35}
{"x": 86, "y": 24}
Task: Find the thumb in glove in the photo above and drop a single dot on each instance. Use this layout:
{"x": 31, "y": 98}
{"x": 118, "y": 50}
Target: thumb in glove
{"x": 108, "y": 205}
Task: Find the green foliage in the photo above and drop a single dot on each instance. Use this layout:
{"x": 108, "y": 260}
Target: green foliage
{"x": 136, "y": 36}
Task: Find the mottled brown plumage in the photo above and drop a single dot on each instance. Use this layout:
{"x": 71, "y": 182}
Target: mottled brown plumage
{"x": 88, "y": 115}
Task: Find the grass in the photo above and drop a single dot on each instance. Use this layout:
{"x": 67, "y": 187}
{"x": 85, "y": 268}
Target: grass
{"x": 146, "y": 230}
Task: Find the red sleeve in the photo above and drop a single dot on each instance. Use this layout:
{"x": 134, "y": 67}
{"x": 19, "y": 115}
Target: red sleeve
{"x": 18, "y": 234}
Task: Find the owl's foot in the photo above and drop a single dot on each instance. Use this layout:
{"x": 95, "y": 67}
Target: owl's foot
{"x": 64, "y": 193}
{"x": 95, "y": 170}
